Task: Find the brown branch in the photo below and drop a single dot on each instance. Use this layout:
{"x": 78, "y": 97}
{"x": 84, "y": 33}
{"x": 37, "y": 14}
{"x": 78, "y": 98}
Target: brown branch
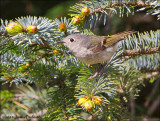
{"x": 98, "y": 72}
{"x": 133, "y": 53}
{"x": 45, "y": 44}
{"x": 99, "y": 9}
{"x": 154, "y": 105}
{"x": 152, "y": 93}
{"x": 21, "y": 105}
{"x": 139, "y": 3}
{"x": 66, "y": 33}
{"x": 37, "y": 59}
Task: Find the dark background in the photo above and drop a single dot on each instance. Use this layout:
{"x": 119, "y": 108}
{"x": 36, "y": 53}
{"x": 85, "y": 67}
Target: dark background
{"x": 11, "y": 9}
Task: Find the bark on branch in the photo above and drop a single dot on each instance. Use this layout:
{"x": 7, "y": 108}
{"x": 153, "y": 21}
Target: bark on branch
{"x": 139, "y": 3}
{"x": 133, "y": 53}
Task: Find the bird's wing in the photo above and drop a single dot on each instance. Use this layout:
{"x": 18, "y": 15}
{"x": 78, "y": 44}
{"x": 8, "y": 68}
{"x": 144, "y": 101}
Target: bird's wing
{"x": 99, "y": 43}
{"x": 110, "y": 40}
{"x": 95, "y": 44}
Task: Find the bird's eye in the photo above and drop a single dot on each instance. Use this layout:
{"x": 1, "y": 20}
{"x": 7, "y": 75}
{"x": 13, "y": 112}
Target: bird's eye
{"x": 71, "y": 39}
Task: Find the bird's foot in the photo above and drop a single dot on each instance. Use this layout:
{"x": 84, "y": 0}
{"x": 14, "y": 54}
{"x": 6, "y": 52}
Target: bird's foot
{"x": 91, "y": 77}
{"x": 93, "y": 65}
{"x": 98, "y": 72}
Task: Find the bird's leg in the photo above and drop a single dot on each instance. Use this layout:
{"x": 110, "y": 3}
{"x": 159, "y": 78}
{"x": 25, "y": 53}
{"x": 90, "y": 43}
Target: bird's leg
{"x": 93, "y": 65}
{"x": 98, "y": 72}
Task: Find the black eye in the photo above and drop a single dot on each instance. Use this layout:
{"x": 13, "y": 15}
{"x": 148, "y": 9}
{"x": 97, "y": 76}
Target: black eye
{"x": 71, "y": 39}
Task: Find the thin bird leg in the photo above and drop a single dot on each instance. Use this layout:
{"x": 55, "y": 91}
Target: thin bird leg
{"x": 98, "y": 72}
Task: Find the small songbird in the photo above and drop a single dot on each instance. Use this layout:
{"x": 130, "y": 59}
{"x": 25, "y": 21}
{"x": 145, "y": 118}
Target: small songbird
{"x": 93, "y": 49}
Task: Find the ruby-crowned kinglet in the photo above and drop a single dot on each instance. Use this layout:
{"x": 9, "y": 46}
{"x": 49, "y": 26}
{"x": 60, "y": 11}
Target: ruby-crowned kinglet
{"x": 93, "y": 49}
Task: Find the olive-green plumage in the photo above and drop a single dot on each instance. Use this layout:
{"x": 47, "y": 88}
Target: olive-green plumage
{"x": 93, "y": 49}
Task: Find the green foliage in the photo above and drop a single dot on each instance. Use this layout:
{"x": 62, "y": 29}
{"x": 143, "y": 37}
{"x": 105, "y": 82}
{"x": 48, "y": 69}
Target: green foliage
{"x": 61, "y": 78}
{"x": 26, "y": 101}
{"x": 153, "y": 9}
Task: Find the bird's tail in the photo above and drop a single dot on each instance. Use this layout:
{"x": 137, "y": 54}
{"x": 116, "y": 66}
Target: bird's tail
{"x": 110, "y": 40}
{"x": 122, "y": 34}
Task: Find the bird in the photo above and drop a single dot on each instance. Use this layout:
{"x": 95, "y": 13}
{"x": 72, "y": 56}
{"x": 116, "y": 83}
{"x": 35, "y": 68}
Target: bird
{"x": 93, "y": 49}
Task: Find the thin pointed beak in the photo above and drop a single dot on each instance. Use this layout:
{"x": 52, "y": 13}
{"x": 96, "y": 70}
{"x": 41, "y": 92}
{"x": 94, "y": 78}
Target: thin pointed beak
{"x": 61, "y": 41}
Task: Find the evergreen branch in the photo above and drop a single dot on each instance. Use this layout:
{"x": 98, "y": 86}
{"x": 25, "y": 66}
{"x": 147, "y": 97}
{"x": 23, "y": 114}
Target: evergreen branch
{"x": 133, "y": 53}
{"x": 153, "y": 9}
{"x": 141, "y": 4}
{"x": 142, "y": 41}
{"x": 146, "y": 62}
{"x": 99, "y": 6}
{"x": 99, "y": 10}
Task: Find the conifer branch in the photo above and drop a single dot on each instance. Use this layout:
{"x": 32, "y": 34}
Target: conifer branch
{"x": 133, "y": 53}
{"x": 139, "y": 3}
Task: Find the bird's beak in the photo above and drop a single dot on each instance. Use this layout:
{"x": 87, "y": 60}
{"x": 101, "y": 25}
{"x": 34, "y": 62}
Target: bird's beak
{"x": 61, "y": 41}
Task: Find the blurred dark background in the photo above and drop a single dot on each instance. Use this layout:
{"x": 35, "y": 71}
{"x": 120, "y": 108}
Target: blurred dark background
{"x": 10, "y": 9}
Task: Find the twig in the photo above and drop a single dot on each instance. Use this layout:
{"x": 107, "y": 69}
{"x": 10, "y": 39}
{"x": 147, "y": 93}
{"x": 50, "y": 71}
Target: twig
{"x": 152, "y": 93}
{"x": 154, "y": 105}
{"x": 98, "y": 72}
{"x": 133, "y": 53}
{"x": 142, "y": 4}
{"x": 37, "y": 59}
{"x": 21, "y": 105}
{"x": 65, "y": 33}
{"x": 44, "y": 42}
{"x": 99, "y": 9}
